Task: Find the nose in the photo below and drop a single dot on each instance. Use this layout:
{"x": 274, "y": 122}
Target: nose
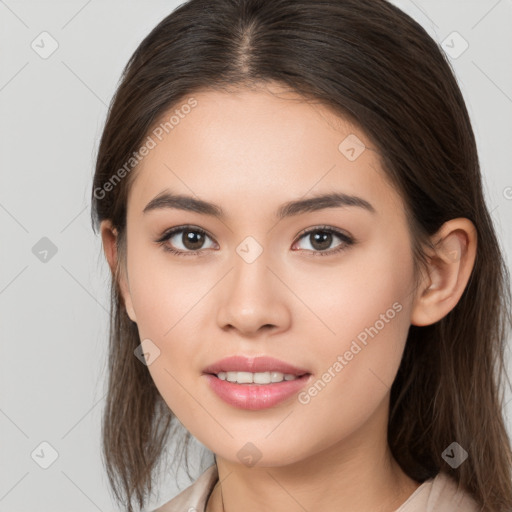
{"x": 253, "y": 298}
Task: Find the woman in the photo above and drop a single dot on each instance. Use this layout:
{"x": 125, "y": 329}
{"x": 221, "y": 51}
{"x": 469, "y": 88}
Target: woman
{"x": 305, "y": 274}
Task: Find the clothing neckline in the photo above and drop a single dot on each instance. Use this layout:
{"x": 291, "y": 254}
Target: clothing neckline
{"x": 421, "y": 488}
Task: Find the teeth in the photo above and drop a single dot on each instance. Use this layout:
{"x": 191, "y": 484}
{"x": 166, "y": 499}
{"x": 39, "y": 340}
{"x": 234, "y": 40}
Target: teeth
{"x": 256, "y": 378}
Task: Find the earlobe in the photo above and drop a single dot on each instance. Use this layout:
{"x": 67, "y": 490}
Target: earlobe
{"x": 449, "y": 269}
{"x": 109, "y": 238}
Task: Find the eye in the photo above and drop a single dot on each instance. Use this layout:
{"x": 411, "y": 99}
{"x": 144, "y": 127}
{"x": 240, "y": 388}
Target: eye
{"x": 321, "y": 238}
{"x": 191, "y": 239}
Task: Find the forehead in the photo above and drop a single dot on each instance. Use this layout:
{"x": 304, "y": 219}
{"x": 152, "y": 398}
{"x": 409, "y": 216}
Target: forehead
{"x": 267, "y": 144}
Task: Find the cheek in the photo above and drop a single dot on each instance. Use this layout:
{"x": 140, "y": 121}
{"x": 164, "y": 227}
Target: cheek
{"x": 363, "y": 312}
{"x": 167, "y": 302}
{"x": 163, "y": 290}
{"x": 356, "y": 372}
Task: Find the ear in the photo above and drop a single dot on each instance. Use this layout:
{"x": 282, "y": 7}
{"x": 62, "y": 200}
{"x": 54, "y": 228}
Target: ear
{"x": 109, "y": 237}
{"x": 448, "y": 273}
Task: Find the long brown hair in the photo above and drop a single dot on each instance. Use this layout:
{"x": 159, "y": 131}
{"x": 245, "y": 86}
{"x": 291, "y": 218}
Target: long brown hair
{"x": 371, "y": 63}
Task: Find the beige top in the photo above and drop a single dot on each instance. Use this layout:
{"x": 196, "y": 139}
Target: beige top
{"x": 439, "y": 494}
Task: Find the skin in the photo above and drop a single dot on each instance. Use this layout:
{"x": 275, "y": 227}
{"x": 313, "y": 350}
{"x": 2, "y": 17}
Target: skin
{"x": 250, "y": 152}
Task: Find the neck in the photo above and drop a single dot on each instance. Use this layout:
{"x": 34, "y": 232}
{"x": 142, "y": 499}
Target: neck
{"x": 358, "y": 473}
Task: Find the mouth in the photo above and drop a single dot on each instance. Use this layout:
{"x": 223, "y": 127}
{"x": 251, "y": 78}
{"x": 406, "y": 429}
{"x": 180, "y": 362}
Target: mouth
{"x": 255, "y": 383}
{"x": 234, "y": 389}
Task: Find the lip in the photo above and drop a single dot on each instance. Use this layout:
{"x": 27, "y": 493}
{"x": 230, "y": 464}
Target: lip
{"x": 253, "y": 365}
{"x": 256, "y": 396}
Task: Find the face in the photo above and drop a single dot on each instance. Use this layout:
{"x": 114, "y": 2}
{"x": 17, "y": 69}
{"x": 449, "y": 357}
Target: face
{"x": 327, "y": 288}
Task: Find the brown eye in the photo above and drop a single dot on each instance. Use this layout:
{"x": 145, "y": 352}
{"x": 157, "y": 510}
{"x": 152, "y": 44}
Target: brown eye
{"x": 184, "y": 240}
{"x": 321, "y": 239}
{"x": 192, "y": 240}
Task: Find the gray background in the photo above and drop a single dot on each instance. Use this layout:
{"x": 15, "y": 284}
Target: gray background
{"x": 54, "y": 313}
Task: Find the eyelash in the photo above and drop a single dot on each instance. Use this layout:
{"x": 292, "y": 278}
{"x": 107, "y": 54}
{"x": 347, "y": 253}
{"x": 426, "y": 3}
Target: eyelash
{"x": 347, "y": 241}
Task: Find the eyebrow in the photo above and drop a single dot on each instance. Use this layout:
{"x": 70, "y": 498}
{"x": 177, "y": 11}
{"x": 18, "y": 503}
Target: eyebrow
{"x": 167, "y": 199}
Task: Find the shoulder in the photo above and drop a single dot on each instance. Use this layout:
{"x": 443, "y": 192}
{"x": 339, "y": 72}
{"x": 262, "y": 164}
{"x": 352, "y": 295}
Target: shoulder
{"x": 440, "y": 494}
{"x": 194, "y": 496}
{"x": 447, "y": 495}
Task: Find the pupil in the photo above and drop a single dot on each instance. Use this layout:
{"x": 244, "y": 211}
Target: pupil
{"x": 192, "y": 240}
{"x": 323, "y": 239}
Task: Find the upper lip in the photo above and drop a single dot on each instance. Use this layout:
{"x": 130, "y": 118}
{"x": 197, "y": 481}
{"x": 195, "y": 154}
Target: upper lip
{"x": 253, "y": 365}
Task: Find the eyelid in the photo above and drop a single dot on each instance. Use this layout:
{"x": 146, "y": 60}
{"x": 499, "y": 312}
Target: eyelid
{"x": 325, "y": 227}
{"x": 176, "y": 229}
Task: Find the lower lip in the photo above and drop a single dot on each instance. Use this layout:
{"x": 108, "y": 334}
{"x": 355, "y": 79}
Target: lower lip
{"x": 256, "y": 396}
